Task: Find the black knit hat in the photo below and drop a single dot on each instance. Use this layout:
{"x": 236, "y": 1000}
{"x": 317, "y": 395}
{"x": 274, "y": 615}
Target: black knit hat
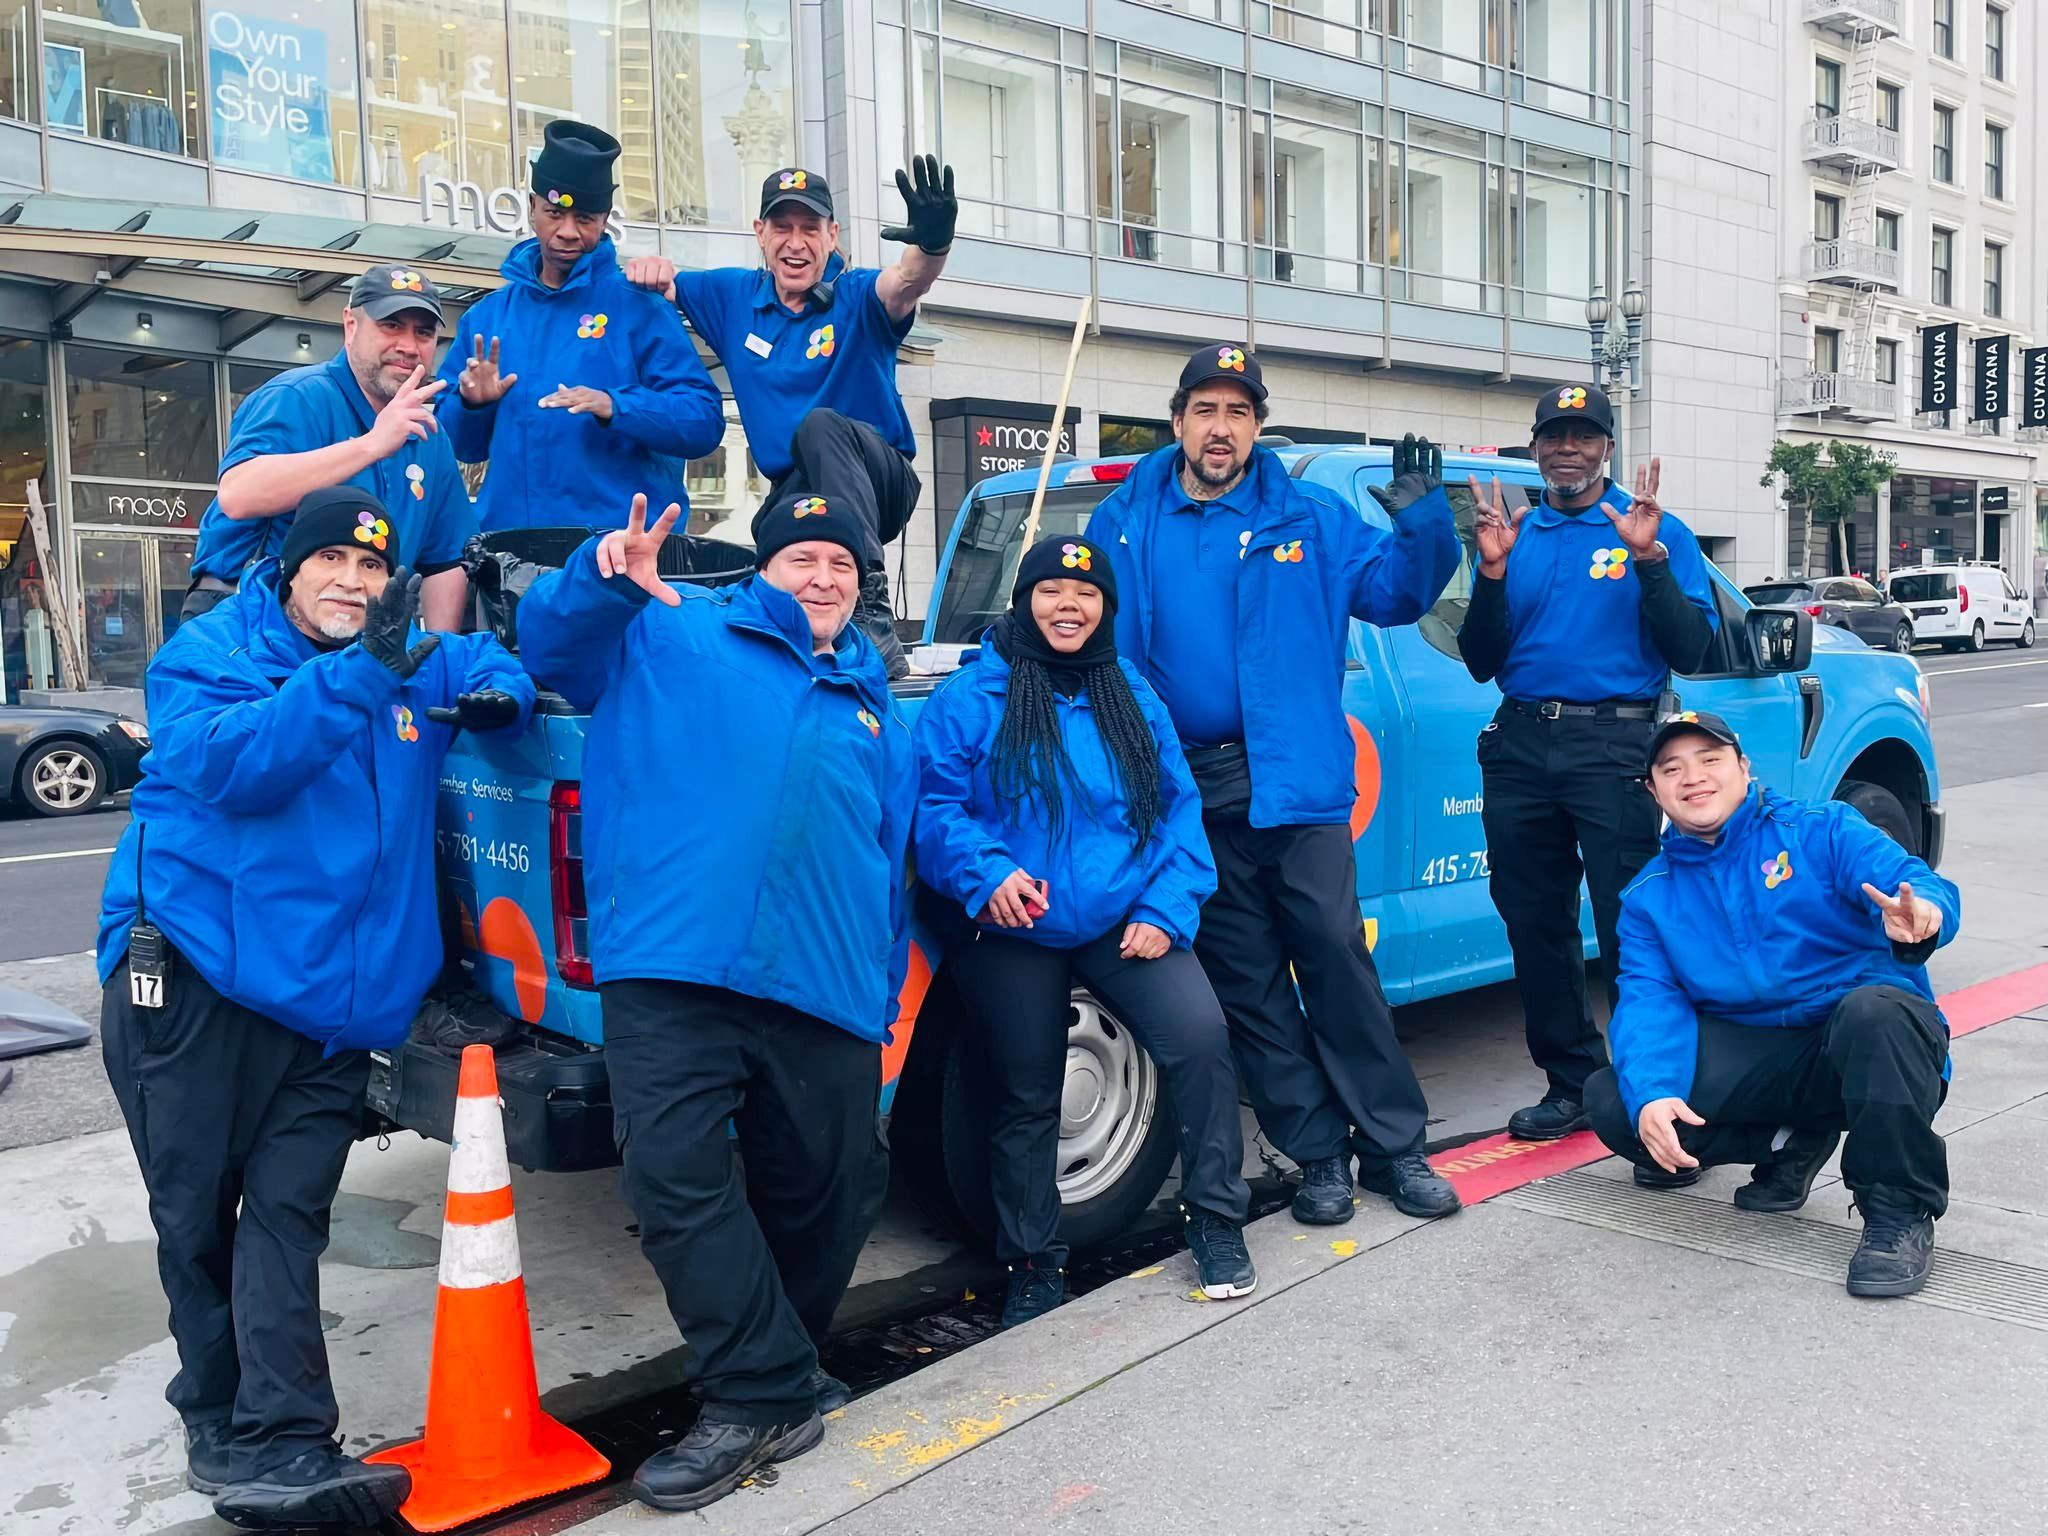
{"x": 1071, "y": 558}
{"x": 344, "y": 514}
{"x": 798, "y": 517}
{"x": 573, "y": 170}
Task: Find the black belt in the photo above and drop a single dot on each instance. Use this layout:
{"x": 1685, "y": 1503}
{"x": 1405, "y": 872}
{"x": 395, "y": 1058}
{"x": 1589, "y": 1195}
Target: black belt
{"x": 1556, "y": 709}
{"x": 211, "y": 584}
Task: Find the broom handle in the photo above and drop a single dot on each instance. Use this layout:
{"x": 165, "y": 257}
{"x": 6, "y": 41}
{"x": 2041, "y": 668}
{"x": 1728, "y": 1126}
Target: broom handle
{"x": 1059, "y": 421}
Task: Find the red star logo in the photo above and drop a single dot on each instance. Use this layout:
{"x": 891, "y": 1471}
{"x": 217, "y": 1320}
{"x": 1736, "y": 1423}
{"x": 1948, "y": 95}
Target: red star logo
{"x": 985, "y": 437}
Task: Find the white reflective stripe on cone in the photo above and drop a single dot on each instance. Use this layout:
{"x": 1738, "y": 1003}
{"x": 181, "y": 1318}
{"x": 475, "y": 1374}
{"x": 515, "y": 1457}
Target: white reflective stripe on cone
{"x": 476, "y": 1162}
{"x": 474, "y": 1257}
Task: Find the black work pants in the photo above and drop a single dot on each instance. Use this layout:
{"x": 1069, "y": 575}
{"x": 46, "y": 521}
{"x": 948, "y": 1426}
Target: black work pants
{"x": 1563, "y": 798}
{"x": 1018, "y": 999}
{"x": 1324, "y": 1069}
{"x": 1873, "y": 1068}
{"x": 241, "y": 1128}
{"x": 753, "y": 1273}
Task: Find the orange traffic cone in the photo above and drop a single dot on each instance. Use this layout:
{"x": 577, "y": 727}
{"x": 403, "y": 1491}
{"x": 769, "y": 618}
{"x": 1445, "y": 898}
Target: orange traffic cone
{"x": 488, "y": 1445}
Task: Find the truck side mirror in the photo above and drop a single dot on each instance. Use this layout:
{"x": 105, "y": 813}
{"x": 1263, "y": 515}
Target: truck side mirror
{"x": 1779, "y": 639}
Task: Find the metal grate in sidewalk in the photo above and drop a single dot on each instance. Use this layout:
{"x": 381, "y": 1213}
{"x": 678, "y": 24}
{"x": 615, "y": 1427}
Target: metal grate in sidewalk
{"x": 1961, "y": 1282}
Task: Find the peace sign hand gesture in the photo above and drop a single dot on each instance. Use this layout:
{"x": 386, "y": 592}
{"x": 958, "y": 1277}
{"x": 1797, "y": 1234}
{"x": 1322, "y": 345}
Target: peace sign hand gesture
{"x": 1638, "y": 526}
{"x": 634, "y": 551}
{"x": 1908, "y": 919}
{"x": 1496, "y": 528}
{"x": 481, "y": 383}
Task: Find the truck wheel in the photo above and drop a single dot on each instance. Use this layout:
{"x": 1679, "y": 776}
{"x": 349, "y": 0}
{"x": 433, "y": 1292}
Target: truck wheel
{"x": 1882, "y": 809}
{"x": 1116, "y": 1129}
{"x": 1976, "y": 640}
{"x": 2026, "y": 640}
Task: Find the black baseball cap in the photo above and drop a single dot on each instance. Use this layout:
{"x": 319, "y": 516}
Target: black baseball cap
{"x": 794, "y": 184}
{"x": 1231, "y": 360}
{"x": 391, "y": 288}
{"x": 1574, "y": 402}
{"x": 1695, "y": 721}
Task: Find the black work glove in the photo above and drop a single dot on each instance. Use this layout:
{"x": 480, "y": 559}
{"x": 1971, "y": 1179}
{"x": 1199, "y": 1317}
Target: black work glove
{"x": 929, "y": 207}
{"x": 488, "y": 709}
{"x": 1418, "y": 470}
{"x": 389, "y": 619}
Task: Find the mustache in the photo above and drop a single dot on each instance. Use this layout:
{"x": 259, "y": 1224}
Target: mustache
{"x": 342, "y": 595}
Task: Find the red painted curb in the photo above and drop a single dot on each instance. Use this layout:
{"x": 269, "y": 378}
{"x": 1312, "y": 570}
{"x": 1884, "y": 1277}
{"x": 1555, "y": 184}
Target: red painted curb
{"x": 1493, "y": 1165}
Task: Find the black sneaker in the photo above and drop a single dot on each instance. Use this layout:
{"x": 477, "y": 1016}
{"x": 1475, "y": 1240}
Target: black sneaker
{"x": 1552, "y": 1120}
{"x": 1221, "y": 1258}
{"x": 833, "y": 1394}
{"x": 1782, "y": 1183}
{"x": 1657, "y": 1178}
{"x": 316, "y": 1487}
{"x": 206, "y": 1456}
{"x": 1324, "y": 1199}
{"x": 716, "y": 1456}
{"x": 1415, "y": 1188}
{"x": 1036, "y": 1287}
{"x": 1896, "y": 1252}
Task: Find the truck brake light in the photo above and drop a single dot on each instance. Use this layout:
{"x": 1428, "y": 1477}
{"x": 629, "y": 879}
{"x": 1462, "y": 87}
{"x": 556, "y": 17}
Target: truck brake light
{"x": 1963, "y": 596}
{"x": 1813, "y": 610}
{"x": 565, "y": 884}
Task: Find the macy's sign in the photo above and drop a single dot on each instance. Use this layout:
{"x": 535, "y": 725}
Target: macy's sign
{"x": 501, "y": 210}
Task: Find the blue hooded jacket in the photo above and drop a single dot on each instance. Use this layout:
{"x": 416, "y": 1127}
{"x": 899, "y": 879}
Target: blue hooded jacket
{"x": 285, "y": 819}
{"x": 969, "y": 841}
{"x": 1768, "y": 926}
{"x": 1313, "y": 565}
{"x": 549, "y": 468}
{"x": 746, "y": 805}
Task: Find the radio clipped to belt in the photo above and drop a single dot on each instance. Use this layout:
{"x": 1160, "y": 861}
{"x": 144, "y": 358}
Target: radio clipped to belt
{"x": 149, "y": 952}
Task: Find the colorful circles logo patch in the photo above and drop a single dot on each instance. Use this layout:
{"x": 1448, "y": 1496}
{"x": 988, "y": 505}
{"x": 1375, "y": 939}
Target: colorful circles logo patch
{"x": 561, "y": 199}
{"x": 1609, "y": 564}
{"x": 402, "y": 717}
{"x": 821, "y": 342}
{"x": 591, "y": 327}
{"x": 811, "y": 506}
{"x": 1231, "y": 358}
{"x": 792, "y": 181}
{"x": 1573, "y": 399}
{"x": 405, "y": 280}
{"x": 372, "y": 530}
{"x": 1077, "y": 557}
{"x": 1777, "y": 871}
{"x": 1289, "y": 553}
{"x": 418, "y": 478}
{"x": 867, "y": 719}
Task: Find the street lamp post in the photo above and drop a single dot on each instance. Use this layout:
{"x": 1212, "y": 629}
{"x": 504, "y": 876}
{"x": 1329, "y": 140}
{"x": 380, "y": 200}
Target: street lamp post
{"x": 1617, "y": 354}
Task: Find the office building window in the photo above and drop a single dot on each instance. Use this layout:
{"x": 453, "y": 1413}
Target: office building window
{"x": 1994, "y": 42}
{"x": 1945, "y": 28}
{"x": 1561, "y": 51}
{"x": 17, "y": 88}
{"x": 1994, "y": 279}
{"x": 1827, "y": 88}
{"x": 111, "y": 72}
{"x": 1331, "y": 25}
{"x": 1827, "y": 217}
{"x": 1447, "y": 39}
{"x": 1887, "y": 362}
{"x": 728, "y": 107}
{"x": 142, "y": 418}
{"x": 1827, "y": 350}
{"x": 1888, "y": 99}
{"x": 1942, "y": 288}
{"x": 1167, "y": 163}
{"x": 1556, "y": 232}
{"x": 591, "y": 60}
{"x": 1306, "y": 157}
{"x": 438, "y": 108}
{"x": 283, "y": 90}
{"x": 1994, "y": 161}
{"x": 1448, "y": 230}
{"x": 1887, "y": 229}
{"x": 999, "y": 125}
{"x": 1944, "y": 168}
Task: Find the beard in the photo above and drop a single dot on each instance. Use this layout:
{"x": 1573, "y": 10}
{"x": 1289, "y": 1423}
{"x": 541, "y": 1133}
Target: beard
{"x": 339, "y": 629}
{"x": 1214, "y": 478}
{"x": 1576, "y": 485}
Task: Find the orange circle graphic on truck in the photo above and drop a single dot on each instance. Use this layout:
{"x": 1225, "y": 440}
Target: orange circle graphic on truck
{"x": 917, "y": 980}
{"x": 506, "y": 934}
{"x": 1365, "y": 773}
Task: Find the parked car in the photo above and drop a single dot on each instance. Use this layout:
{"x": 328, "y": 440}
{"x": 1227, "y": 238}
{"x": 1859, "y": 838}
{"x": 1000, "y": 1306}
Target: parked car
{"x": 1846, "y": 602}
{"x": 1820, "y": 714}
{"x": 1965, "y": 606}
{"x": 63, "y": 761}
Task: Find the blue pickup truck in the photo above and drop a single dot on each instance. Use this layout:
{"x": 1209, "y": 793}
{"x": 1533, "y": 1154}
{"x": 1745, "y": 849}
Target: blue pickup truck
{"x": 1820, "y": 714}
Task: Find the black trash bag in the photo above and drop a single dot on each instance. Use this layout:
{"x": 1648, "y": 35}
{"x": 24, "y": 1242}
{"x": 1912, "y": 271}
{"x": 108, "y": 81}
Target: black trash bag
{"x": 455, "y": 1016}
{"x": 502, "y": 566}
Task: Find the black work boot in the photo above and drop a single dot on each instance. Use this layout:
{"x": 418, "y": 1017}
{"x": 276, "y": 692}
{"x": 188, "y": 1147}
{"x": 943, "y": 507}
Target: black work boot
{"x": 317, "y": 1487}
{"x": 1552, "y": 1120}
{"x": 716, "y": 1456}
{"x": 1896, "y": 1252}
{"x": 1415, "y": 1188}
{"x": 1657, "y": 1178}
{"x": 1782, "y": 1183}
{"x": 206, "y": 1456}
{"x": 1221, "y": 1258}
{"x": 1036, "y": 1286}
{"x": 833, "y": 1394}
{"x": 1324, "y": 1199}
{"x": 876, "y": 616}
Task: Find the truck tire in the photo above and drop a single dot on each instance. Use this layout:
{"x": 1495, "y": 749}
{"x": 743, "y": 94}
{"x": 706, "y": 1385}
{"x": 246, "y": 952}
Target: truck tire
{"x": 1116, "y": 1128}
{"x": 1882, "y": 809}
{"x": 1976, "y": 640}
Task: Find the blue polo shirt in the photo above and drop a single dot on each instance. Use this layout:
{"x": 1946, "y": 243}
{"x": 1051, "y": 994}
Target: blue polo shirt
{"x": 1576, "y": 629}
{"x": 782, "y": 363}
{"x": 1196, "y": 552}
{"x": 317, "y": 407}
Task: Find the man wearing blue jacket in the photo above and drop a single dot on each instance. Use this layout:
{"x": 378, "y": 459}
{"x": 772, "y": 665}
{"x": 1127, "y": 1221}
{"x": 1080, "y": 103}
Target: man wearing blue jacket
{"x": 1239, "y": 586}
{"x": 747, "y": 795}
{"x": 1773, "y": 992}
{"x": 614, "y": 397}
{"x": 269, "y": 919}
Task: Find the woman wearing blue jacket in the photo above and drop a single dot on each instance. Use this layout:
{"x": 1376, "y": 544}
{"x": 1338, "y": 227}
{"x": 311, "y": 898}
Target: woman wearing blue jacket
{"x": 1054, "y": 805}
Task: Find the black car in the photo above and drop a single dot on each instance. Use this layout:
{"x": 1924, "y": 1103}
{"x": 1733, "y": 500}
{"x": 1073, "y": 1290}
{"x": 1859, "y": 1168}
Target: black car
{"x": 61, "y": 761}
{"x": 1847, "y": 602}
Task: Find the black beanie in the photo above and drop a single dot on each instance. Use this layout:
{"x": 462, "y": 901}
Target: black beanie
{"x": 573, "y": 170}
{"x": 1064, "y": 558}
{"x": 794, "y": 519}
{"x": 337, "y": 514}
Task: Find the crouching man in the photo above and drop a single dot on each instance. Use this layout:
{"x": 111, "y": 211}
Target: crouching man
{"x": 268, "y": 920}
{"x": 747, "y": 796}
{"x": 1774, "y": 992}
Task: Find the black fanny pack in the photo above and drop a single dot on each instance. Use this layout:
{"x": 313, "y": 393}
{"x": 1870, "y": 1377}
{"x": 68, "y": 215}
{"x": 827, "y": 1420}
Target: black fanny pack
{"x": 1223, "y": 775}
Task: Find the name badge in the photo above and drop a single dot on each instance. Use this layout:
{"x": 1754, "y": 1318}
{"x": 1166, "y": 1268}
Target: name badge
{"x": 757, "y": 346}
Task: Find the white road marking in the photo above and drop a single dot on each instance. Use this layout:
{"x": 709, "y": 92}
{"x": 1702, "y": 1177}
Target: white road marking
{"x": 2002, "y": 666}
{"x": 69, "y": 853}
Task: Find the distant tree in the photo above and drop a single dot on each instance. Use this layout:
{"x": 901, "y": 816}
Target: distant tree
{"x": 1823, "y": 482}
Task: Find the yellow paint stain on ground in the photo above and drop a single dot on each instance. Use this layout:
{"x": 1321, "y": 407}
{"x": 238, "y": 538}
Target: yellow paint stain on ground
{"x": 857, "y": 1482}
{"x": 1301, "y": 1237}
{"x": 1143, "y": 1274}
{"x": 1344, "y": 1247}
{"x": 884, "y": 1442}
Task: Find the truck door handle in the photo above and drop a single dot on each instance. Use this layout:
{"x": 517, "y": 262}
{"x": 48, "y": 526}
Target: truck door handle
{"x": 1814, "y": 703}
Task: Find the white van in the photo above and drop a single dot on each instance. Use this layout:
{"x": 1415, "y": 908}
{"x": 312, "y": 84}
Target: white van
{"x": 1963, "y": 607}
